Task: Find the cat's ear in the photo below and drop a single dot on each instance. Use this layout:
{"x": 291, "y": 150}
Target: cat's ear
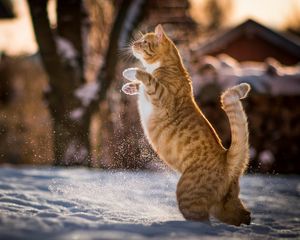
{"x": 160, "y": 33}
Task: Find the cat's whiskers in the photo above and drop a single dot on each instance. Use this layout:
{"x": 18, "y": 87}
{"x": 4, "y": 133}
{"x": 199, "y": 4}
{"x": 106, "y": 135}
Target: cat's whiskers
{"x": 126, "y": 53}
{"x": 140, "y": 34}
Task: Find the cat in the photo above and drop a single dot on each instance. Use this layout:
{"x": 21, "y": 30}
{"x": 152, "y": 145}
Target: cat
{"x": 182, "y": 136}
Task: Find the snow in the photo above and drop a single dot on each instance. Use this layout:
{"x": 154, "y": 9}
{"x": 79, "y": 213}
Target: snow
{"x": 65, "y": 48}
{"x": 266, "y": 157}
{"x": 87, "y": 92}
{"x": 268, "y": 77}
{"x": 58, "y": 203}
{"x": 75, "y": 152}
{"x": 76, "y": 114}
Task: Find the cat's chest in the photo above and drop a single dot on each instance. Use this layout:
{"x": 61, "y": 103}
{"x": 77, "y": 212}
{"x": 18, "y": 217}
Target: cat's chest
{"x": 145, "y": 108}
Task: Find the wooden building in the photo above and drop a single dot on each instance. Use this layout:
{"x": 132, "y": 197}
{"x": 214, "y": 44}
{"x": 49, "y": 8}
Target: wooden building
{"x": 269, "y": 61}
{"x": 251, "y": 41}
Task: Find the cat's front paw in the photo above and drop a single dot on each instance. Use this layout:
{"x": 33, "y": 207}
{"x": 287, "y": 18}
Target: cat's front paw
{"x": 131, "y": 88}
{"x": 130, "y": 74}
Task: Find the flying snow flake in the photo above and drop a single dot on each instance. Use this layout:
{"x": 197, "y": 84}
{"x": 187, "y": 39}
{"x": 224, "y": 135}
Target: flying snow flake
{"x": 266, "y": 157}
{"x": 65, "y": 48}
{"x": 252, "y": 153}
{"x": 75, "y": 153}
{"x": 76, "y": 114}
{"x": 87, "y": 92}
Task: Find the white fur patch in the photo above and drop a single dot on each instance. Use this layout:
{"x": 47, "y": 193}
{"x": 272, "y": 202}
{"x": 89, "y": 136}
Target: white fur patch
{"x": 137, "y": 55}
{"x": 150, "y": 68}
{"x": 145, "y": 108}
{"x": 230, "y": 99}
{"x": 130, "y": 74}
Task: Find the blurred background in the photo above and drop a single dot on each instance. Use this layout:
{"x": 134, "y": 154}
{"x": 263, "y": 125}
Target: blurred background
{"x": 60, "y": 77}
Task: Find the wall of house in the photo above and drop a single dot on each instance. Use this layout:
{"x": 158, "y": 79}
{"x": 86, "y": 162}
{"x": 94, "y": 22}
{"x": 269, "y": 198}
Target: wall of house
{"x": 247, "y": 48}
{"x": 274, "y": 132}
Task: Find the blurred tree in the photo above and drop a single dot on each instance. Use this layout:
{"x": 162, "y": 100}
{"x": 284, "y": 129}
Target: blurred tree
{"x": 129, "y": 15}
{"x": 113, "y": 133}
{"x": 175, "y": 17}
{"x": 6, "y": 9}
{"x": 216, "y": 14}
{"x": 211, "y": 15}
{"x": 71, "y": 99}
{"x": 292, "y": 23}
{"x": 5, "y": 84}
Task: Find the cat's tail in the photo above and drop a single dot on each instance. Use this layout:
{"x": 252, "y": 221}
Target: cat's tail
{"x": 238, "y": 153}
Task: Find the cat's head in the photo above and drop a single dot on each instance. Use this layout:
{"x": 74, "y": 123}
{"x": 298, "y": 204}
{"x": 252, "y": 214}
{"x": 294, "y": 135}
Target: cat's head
{"x": 151, "y": 47}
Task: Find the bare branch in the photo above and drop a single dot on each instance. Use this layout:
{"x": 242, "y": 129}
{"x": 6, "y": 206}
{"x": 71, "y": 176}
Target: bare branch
{"x": 45, "y": 40}
{"x": 72, "y": 26}
{"x": 130, "y": 14}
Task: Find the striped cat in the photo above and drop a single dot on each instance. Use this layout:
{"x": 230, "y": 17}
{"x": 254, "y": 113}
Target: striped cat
{"x": 182, "y": 136}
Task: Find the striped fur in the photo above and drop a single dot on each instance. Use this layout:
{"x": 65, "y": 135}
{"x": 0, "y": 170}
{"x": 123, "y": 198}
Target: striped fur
{"x": 182, "y": 136}
{"x": 238, "y": 153}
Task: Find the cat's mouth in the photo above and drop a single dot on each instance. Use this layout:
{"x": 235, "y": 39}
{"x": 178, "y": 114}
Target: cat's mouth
{"x": 136, "y": 53}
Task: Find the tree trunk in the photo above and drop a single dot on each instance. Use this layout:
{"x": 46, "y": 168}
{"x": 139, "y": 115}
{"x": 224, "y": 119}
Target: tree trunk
{"x": 123, "y": 151}
{"x": 71, "y": 142}
{"x": 130, "y": 13}
{"x": 63, "y": 59}
{"x": 71, "y": 100}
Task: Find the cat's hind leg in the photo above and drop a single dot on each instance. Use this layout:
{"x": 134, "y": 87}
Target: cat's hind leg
{"x": 231, "y": 209}
{"x": 194, "y": 196}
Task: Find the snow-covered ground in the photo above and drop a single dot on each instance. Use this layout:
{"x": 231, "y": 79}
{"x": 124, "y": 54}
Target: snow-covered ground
{"x": 57, "y": 203}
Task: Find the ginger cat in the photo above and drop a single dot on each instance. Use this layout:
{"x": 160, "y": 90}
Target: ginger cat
{"x": 182, "y": 136}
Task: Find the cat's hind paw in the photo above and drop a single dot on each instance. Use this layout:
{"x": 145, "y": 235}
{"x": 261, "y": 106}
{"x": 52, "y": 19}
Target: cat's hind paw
{"x": 130, "y": 74}
{"x": 131, "y": 88}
